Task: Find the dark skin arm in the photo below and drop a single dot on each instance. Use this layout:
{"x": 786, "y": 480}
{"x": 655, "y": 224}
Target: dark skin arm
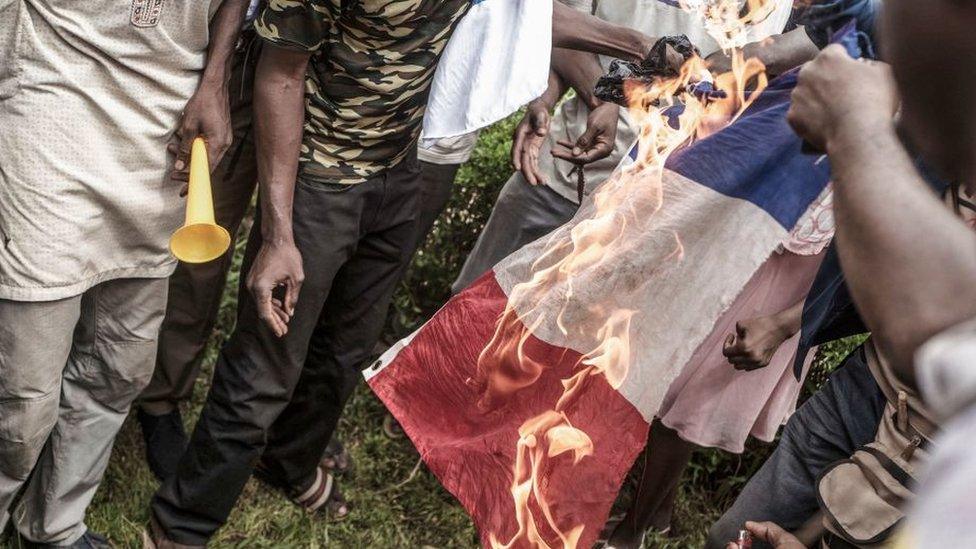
{"x": 756, "y": 340}
{"x": 279, "y": 115}
{"x": 779, "y": 53}
{"x": 207, "y": 113}
{"x": 573, "y": 29}
{"x": 581, "y": 70}
{"x": 531, "y": 132}
{"x": 910, "y": 263}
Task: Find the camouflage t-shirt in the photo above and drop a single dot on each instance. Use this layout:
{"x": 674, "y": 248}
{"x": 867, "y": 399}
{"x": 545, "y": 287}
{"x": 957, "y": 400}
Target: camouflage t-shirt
{"x": 368, "y": 80}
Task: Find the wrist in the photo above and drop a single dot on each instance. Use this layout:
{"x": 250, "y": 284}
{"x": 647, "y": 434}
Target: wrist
{"x": 277, "y": 239}
{"x": 276, "y": 232}
{"x": 591, "y": 101}
{"x": 216, "y": 77}
{"x": 856, "y": 131}
{"x": 787, "y": 324}
{"x": 543, "y": 102}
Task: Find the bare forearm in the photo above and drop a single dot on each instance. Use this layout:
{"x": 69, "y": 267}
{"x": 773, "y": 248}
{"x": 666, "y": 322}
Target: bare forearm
{"x": 910, "y": 264}
{"x": 575, "y": 30}
{"x": 779, "y": 53}
{"x": 224, "y": 31}
{"x": 580, "y": 70}
{"x": 279, "y": 114}
{"x": 555, "y": 91}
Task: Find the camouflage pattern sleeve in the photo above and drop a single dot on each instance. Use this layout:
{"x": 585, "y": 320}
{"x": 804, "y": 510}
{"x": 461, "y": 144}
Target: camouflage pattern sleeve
{"x": 296, "y": 24}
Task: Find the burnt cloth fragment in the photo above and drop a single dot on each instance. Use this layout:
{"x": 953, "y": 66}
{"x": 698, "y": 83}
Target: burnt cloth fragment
{"x": 664, "y": 61}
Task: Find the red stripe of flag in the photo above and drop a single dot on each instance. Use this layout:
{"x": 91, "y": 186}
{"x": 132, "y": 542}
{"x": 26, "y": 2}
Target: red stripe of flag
{"x": 472, "y": 451}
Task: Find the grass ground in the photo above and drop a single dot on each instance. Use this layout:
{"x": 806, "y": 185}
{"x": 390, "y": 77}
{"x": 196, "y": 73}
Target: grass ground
{"x": 397, "y": 502}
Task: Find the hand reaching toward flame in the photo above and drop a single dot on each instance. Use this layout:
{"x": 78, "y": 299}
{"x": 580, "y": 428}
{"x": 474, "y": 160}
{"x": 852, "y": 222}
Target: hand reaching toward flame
{"x": 529, "y": 136}
{"x": 837, "y": 95}
{"x": 597, "y": 141}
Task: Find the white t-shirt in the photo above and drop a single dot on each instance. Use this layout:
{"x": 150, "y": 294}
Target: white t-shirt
{"x": 449, "y": 150}
{"x": 656, "y": 18}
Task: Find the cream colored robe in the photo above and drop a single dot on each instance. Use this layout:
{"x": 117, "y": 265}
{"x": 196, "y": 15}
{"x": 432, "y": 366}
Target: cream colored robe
{"x": 90, "y": 93}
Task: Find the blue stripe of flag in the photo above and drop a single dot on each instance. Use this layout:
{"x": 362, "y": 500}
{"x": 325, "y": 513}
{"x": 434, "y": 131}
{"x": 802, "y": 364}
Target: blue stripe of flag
{"x": 759, "y": 159}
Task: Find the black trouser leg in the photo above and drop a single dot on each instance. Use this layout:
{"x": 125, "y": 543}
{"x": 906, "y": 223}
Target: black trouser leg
{"x": 436, "y": 184}
{"x": 256, "y": 372}
{"x": 351, "y": 323}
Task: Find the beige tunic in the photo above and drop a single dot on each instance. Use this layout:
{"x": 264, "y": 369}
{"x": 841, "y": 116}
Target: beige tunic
{"x": 90, "y": 92}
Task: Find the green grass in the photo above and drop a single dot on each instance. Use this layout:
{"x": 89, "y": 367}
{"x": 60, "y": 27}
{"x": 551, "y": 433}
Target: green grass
{"x": 397, "y": 502}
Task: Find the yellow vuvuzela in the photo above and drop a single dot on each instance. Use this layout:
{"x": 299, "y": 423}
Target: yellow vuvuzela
{"x": 200, "y": 239}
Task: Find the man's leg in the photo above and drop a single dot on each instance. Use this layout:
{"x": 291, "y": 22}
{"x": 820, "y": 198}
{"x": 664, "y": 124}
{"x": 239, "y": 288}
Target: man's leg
{"x": 35, "y": 341}
{"x": 522, "y": 214}
{"x": 195, "y": 290}
{"x": 350, "y": 325}
{"x": 841, "y": 417}
{"x": 111, "y": 361}
{"x": 436, "y": 184}
{"x": 257, "y": 372}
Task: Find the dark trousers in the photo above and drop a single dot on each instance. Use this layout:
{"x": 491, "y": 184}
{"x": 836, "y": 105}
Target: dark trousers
{"x": 195, "y": 290}
{"x": 279, "y": 399}
{"x": 837, "y": 420}
{"x": 437, "y": 181}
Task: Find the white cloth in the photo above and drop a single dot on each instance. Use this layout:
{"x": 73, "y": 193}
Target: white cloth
{"x": 655, "y": 18}
{"x": 944, "y": 509}
{"x": 449, "y": 150}
{"x": 90, "y": 93}
{"x": 496, "y": 61}
{"x": 946, "y": 370}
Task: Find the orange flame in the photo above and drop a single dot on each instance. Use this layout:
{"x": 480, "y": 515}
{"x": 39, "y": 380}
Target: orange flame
{"x": 504, "y": 365}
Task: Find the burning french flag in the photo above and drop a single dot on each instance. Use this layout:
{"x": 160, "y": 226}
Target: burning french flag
{"x": 530, "y": 393}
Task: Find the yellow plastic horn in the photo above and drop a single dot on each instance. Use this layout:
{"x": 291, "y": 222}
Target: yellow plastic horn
{"x": 200, "y": 239}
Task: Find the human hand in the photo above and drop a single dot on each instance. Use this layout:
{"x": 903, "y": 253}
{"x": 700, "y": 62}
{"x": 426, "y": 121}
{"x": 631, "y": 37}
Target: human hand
{"x": 206, "y": 115}
{"x": 276, "y": 265}
{"x": 597, "y": 141}
{"x": 771, "y": 534}
{"x": 755, "y": 342}
{"x": 836, "y": 94}
{"x": 528, "y": 138}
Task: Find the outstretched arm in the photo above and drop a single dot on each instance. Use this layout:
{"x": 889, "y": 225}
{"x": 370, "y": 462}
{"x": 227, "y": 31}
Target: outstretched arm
{"x": 910, "y": 263}
{"x": 779, "y": 53}
{"x": 576, "y": 30}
